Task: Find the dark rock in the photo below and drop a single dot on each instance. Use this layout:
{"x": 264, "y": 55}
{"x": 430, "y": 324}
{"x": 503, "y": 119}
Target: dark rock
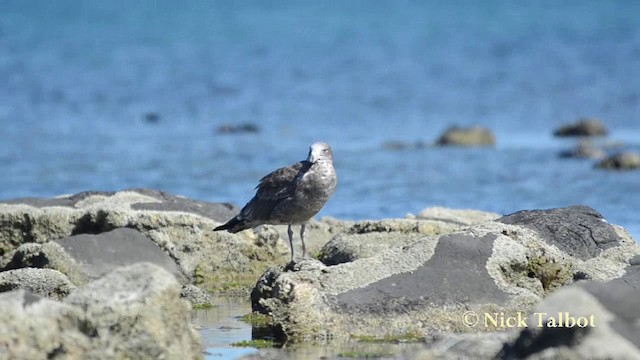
{"x": 583, "y": 127}
{"x": 151, "y": 117}
{"x": 105, "y": 252}
{"x": 580, "y": 231}
{"x": 469, "y": 136}
{"x": 438, "y": 282}
{"x": 622, "y": 161}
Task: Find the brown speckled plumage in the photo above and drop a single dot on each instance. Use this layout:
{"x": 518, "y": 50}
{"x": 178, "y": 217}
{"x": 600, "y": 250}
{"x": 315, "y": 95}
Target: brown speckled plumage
{"x": 290, "y": 195}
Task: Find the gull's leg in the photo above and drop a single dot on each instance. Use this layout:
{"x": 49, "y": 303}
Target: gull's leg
{"x": 304, "y": 248}
{"x": 290, "y": 233}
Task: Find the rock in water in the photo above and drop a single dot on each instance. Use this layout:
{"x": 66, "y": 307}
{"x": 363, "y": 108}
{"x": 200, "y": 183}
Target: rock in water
{"x": 471, "y": 136}
{"x": 622, "y": 161}
{"x": 583, "y": 127}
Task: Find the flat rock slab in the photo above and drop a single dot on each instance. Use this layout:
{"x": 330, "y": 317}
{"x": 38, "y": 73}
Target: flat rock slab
{"x": 438, "y": 282}
{"x": 580, "y": 231}
{"x": 107, "y": 251}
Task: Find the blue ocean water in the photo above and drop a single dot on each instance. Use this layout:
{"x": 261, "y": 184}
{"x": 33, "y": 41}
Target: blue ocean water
{"x": 78, "y": 78}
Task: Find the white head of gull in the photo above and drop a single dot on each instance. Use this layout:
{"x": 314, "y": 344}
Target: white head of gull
{"x": 290, "y": 195}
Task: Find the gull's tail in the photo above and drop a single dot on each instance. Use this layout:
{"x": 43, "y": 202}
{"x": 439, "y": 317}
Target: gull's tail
{"x": 235, "y": 225}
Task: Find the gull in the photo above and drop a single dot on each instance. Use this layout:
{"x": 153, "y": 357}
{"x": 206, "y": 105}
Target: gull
{"x": 290, "y": 195}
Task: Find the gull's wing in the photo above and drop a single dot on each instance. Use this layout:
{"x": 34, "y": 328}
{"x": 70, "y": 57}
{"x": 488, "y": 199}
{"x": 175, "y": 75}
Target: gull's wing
{"x": 281, "y": 183}
{"x": 272, "y": 190}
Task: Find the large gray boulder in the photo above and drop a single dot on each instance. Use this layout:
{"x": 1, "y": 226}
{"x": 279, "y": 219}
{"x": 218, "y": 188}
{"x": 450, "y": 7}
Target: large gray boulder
{"x": 580, "y": 231}
{"x": 133, "y": 312}
{"x": 102, "y": 230}
{"x": 428, "y": 285}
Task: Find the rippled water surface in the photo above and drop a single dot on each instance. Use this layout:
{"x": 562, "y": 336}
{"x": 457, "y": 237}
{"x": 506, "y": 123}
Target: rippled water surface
{"x": 111, "y": 95}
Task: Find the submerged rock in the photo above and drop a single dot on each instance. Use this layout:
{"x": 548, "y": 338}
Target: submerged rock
{"x": 467, "y": 136}
{"x": 583, "y": 127}
{"x": 133, "y": 312}
{"x": 427, "y": 284}
{"x": 404, "y": 145}
{"x": 238, "y": 129}
{"x": 151, "y": 117}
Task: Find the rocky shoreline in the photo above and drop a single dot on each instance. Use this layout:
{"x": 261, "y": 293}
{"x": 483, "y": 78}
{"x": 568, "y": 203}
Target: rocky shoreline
{"x": 116, "y": 274}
